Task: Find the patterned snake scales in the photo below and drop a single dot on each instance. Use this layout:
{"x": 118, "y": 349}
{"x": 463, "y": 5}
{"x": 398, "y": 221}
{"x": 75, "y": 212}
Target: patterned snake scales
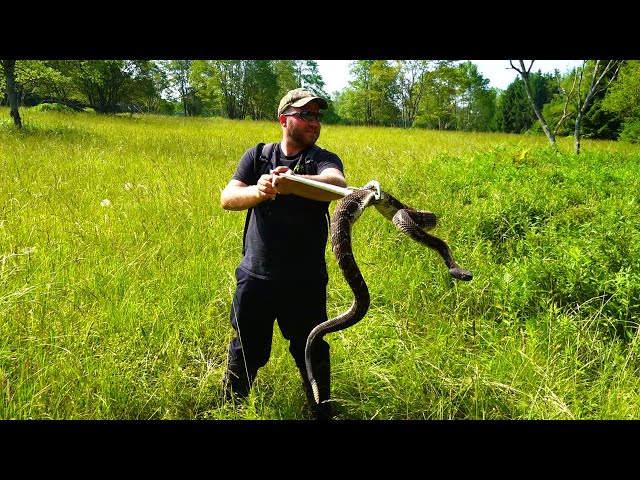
{"x": 409, "y": 220}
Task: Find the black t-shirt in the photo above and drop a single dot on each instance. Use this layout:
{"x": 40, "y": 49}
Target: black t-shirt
{"x": 286, "y": 237}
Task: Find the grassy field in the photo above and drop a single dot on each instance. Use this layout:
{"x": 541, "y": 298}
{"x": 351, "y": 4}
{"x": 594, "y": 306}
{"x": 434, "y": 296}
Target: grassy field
{"x": 117, "y": 262}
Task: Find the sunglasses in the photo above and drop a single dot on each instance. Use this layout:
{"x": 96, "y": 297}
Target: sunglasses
{"x": 306, "y": 115}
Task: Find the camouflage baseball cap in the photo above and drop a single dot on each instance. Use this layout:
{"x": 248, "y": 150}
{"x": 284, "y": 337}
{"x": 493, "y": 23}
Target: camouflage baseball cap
{"x": 299, "y": 98}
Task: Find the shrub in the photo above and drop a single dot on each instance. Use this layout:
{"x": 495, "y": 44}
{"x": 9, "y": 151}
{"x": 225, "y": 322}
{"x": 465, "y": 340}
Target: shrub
{"x": 52, "y": 107}
{"x": 631, "y": 132}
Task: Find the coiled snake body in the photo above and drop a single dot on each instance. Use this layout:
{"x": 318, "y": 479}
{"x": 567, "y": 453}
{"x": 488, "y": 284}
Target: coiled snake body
{"x": 407, "y": 219}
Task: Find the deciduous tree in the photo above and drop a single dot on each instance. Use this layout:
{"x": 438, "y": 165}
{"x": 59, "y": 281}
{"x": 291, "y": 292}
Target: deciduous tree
{"x": 623, "y": 99}
{"x": 537, "y": 108}
{"x": 602, "y": 73}
{"x": 581, "y": 94}
{"x": 8, "y": 67}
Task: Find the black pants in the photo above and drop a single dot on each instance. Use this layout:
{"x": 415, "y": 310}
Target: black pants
{"x": 298, "y": 307}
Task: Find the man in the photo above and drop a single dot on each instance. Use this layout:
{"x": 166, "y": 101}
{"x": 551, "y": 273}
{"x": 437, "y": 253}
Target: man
{"x": 283, "y": 275}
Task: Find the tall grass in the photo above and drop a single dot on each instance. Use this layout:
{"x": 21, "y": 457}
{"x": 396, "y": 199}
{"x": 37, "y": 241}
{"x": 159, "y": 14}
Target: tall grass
{"x": 116, "y": 275}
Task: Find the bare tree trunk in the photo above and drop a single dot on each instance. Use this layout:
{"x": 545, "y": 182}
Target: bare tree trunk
{"x": 524, "y": 73}
{"x": 576, "y": 132}
{"x": 9, "y": 67}
{"x": 599, "y": 82}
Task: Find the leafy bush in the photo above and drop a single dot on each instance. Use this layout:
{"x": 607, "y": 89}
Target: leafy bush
{"x": 52, "y": 107}
{"x": 631, "y": 132}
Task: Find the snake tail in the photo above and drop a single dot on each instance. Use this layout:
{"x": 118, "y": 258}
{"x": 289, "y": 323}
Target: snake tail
{"x": 347, "y": 211}
{"x": 316, "y": 392}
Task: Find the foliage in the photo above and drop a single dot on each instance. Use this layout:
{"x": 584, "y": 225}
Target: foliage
{"x": 440, "y": 108}
{"x": 412, "y": 85}
{"x": 55, "y": 107}
{"x": 631, "y": 131}
{"x": 516, "y": 114}
{"x": 42, "y": 80}
{"x": 236, "y": 88}
{"x": 623, "y": 99}
{"x": 179, "y": 88}
{"x": 601, "y": 124}
{"x": 431, "y": 94}
{"x": 373, "y": 101}
{"x": 477, "y": 102}
{"x": 110, "y": 86}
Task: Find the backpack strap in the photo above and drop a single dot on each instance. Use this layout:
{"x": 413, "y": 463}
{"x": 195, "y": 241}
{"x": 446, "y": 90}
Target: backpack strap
{"x": 262, "y": 158}
{"x": 261, "y": 164}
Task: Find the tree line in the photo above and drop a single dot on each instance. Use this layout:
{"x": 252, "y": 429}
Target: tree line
{"x": 598, "y": 99}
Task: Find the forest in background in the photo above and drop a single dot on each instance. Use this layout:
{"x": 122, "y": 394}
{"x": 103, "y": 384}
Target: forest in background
{"x": 444, "y": 95}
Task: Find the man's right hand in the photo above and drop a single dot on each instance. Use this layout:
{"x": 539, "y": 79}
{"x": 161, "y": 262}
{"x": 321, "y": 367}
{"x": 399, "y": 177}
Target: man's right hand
{"x": 266, "y": 187}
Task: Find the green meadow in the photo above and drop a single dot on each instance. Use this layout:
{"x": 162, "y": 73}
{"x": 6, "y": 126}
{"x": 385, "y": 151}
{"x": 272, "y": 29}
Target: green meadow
{"x": 117, "y": 271}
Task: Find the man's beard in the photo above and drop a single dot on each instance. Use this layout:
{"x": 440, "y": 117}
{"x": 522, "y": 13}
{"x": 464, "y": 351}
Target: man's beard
{"x": 300, "y": 138}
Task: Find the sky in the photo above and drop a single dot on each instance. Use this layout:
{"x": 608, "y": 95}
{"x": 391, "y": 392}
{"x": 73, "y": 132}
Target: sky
{"x": 335, "y": 73}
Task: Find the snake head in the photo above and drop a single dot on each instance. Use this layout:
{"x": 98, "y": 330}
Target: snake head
{"x": 374, "y": 185}
{"x": 460, "y": 274}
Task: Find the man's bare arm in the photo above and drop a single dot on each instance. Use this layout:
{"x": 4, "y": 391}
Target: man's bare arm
{"x": 238, "y": 195}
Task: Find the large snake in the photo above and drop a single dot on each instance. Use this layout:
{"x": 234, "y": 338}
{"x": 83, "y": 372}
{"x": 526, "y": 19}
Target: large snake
{"x": 413, "y": 222}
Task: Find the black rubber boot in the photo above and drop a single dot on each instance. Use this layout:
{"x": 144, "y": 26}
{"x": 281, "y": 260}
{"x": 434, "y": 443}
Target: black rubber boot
{"x": 322, "y": 411}
{"x": 236, "y": 383}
